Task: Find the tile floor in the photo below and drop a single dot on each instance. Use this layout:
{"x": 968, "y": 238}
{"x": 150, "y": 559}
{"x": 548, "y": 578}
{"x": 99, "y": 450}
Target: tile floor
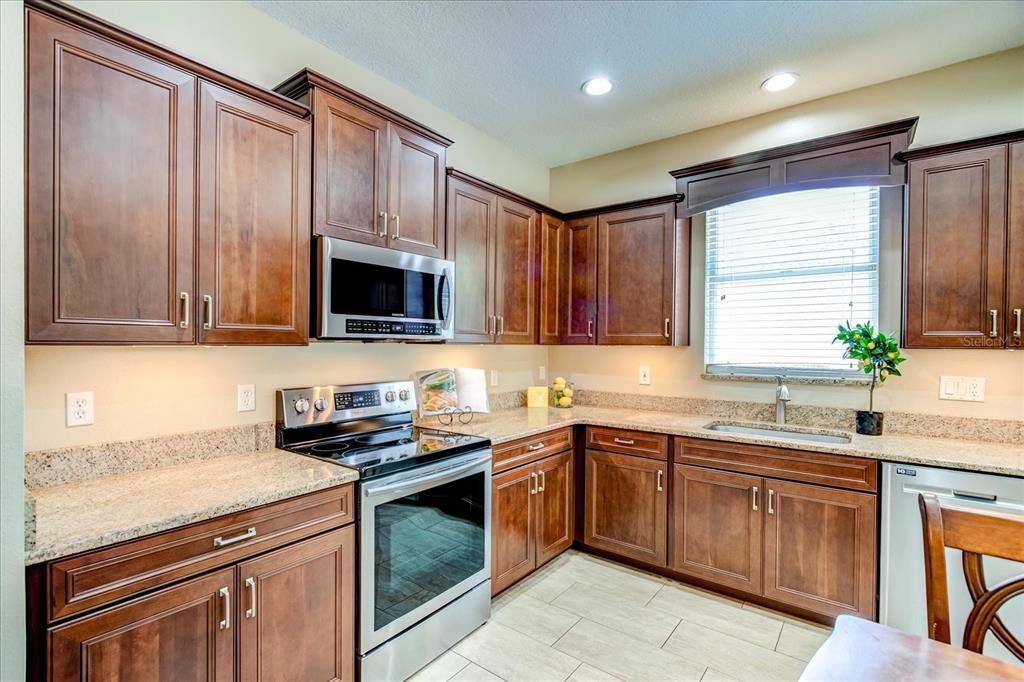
{"x": 581, "y": 618}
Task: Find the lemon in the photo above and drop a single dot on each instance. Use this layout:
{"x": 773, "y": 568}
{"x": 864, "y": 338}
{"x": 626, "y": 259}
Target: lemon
{"x": 564, "y": 401}
{"x": 567, "y": 392}
{"x": 892, "y": 356}
{"x": 559, "y": 380}
{"x": 871, "y": 345}
{"x": 885, "y": 373}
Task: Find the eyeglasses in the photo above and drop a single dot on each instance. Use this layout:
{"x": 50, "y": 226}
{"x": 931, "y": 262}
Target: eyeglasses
{"x": 450, "y": 414}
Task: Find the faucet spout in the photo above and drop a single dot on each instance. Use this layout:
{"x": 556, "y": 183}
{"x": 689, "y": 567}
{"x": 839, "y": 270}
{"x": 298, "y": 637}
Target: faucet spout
{"x": 781, "y": 398}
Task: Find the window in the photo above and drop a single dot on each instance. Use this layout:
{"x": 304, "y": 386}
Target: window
{"x": 782, "y": 273}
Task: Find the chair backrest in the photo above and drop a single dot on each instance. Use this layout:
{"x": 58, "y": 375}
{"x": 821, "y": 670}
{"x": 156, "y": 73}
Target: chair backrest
{"x": 976, "y": 534}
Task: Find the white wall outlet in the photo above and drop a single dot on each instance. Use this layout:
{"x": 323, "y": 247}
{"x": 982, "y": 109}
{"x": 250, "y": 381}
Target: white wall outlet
{"x": 246, "y": 397}
{"x": 970, "y": 389}
{"x": 494, "y": 377}
{"x": 542, "y": 373}
{"x": 645, "y": 376}
{"x": 79, "y": 409}
{"x": 974, "y": 389}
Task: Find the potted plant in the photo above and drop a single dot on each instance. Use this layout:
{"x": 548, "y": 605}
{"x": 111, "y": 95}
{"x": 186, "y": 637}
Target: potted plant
{"x": 876, "y": 354}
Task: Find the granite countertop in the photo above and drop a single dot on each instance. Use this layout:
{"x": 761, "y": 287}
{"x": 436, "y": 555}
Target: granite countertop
{"x": 997, "y": 458}
{"x": 74, "y": 517}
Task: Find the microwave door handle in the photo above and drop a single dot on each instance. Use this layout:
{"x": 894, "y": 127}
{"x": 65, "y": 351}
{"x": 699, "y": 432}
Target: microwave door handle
{"x": 444, "y": 295}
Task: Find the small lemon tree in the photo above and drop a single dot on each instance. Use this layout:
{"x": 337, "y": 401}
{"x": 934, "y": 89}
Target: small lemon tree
{"x": 876, "y": 353}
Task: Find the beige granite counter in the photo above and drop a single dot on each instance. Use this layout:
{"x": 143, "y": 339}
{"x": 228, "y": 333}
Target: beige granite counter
{"x": 506, "y": 425}
{"x": 82, "y": 515}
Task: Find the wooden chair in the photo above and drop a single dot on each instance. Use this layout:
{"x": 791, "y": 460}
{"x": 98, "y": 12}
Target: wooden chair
{"x": 975, "y": 534}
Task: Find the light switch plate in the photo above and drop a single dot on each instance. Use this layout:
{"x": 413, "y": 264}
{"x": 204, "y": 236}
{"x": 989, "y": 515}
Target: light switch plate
{"x": 542, "y": 373}
{"x": 79, "y": 409}
{"x": 645, "y": 376}
{"x": 494, "y": 377}
{"x": 246, "y": 397}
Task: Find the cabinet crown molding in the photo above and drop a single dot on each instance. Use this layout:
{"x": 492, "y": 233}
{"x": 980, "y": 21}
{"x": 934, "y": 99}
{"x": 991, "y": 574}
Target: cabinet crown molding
{"x": 1007, "y": 137}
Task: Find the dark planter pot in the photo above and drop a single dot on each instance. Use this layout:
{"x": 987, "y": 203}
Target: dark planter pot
{"x": 869, "y": 423}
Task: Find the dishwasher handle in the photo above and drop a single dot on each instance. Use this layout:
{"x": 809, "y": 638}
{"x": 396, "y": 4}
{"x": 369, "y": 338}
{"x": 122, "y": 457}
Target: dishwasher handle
{"x": 976, "y": 497}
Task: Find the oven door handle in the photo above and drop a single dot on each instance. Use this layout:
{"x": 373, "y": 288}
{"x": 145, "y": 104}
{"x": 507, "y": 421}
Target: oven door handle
{"x": 413, "y": 484}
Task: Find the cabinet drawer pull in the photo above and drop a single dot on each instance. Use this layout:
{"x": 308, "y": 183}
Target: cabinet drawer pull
{"x": 501, "y": 321}
{"x": 383, "y": 215}
{"x": 533, "y": 475}
{"x": 187, "y": 310}
{"x": 668, "y": 334}
{"x": 624, "y": 441}
{"x": 220, "y": 541}
{"x": 661, "y": 475}
{"x": 753, "y": 498}
{"x": 771, "y": 498}
{"x": 536, "y": 446}
{"x": 251, "y": 584}
{"x": 225, "y": 595}
{"x": 398, "y": 226}
{"x": 995, "y": 323}
{"x": 543, "y": 481}
{"x": 207, "y": 311}
{"x": 590, "y": 329}
{"x": 1016, "y": 323}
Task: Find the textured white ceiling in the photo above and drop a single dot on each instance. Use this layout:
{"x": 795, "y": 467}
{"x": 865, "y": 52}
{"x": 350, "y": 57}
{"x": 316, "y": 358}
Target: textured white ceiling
{"x": 513, "y": 69}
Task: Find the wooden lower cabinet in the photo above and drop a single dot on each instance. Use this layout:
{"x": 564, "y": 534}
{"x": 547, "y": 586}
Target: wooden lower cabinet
{"x": 626, "y": 509}
{"x": 820, "y": 548}
{"x": 532, "y": 518}
{"x": 181, "y": 633}
{"x": 717, "y": 526}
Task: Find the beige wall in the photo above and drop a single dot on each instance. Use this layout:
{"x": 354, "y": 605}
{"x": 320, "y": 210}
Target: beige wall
{"x": 977, "y": 97}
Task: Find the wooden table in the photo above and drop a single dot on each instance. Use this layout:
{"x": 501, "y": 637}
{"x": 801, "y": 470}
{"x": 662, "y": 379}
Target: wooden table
{"x": 859, "y": 650}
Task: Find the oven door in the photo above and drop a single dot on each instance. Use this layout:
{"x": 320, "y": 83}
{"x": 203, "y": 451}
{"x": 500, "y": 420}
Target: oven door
{"x": 425, "y": 540}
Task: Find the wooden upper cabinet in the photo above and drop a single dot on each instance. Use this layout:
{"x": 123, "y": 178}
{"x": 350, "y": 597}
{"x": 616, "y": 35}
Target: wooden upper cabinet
{"x": 350, "y": 170}
{"x": 1015, "y": 250}
{"x": 635, "y": 276}
{"x": 296, "y": 611}
{"x": 184, "y": 632}
{"x": 253, "y": 221}
{"x": 552, "y": 279}
{"x": 416, "y": 193}
{"x": 516, "y": 254}
{"x": 579, "y": 295}
{"x": 471, "y": 215}
{"x": 110, "y": 176}
{"x": 955, "y": 250}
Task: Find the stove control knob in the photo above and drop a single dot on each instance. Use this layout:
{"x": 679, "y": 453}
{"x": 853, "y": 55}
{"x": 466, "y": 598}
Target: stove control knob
{"x": 403, "y": 394}
{"x": 320, "y": 404}
{"x": 301, "y": 405}
{"x": 389, "y": 396}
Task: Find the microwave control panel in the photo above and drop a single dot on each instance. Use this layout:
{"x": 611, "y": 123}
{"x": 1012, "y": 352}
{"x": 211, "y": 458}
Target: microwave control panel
{"x": 357, "y": 326}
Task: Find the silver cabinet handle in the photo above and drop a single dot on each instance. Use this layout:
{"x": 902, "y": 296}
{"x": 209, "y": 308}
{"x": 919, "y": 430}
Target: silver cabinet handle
{"x": 1016, "y": 324}
{"x": 995, "y": 323}
{"x": 753, "y": 498}
{"x": 398, "y": 226}
{"x": 383, "y": 215}
{"x": 501, "y": 321}
{"x": 207, "y": 311}
{"x": 590, "y": 329}
{"x": 251, "y": 584}
{"x": 221, "y": 541}
{"x": 225, "y": 595}
{"x": 533, "y": 476}
{"x": 543, "y": 481}
{"x": 668, "y": 334}
{"x": 536, "y": 446}
{"x": 661, "y": 475}
{"x": 624, "y": 441}
{"x": 187, "y": 310}
{"x": 771, "y": 498}
{"x": 492, "y": 324}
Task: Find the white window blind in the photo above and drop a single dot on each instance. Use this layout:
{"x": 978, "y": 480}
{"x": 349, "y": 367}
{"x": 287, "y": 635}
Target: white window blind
{"x": 782, "y": 273}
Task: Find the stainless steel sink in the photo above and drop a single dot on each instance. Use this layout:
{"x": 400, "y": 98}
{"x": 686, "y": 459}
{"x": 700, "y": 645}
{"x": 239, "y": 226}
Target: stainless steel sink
{"x": 778, "y": 432}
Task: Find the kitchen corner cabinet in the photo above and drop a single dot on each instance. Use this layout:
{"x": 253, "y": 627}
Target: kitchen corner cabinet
{"x": 126, "y": 143}
{"x": 963, "y": 245}
{"x": 494, "y": 241}
{"x": 578, "y": 298}
{"x": 552, "y": 279}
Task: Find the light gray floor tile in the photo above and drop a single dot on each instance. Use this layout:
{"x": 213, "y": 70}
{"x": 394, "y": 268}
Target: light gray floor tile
{"x": 731, "y": 655}
{"x": 441, "y": 669}
{"x": 626, "y": 583}
{"x": 712, "y": 675}
{"x": 801, "y": 642}
{"x": 474, "y": 673}
{"x": 542, "y": 621}
{"x": 609, "y": 609}
{"x": 623, "y": 656}
{"x": 719, "y": 614}
{"x": 588, "y": 673}
{"x": 514, "y": 656}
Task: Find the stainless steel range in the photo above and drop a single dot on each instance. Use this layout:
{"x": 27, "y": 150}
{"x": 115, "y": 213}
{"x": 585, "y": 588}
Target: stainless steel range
{"x": 424, "y": 518}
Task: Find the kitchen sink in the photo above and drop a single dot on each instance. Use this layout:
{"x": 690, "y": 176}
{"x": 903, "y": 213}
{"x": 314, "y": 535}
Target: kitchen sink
{"x": 778, "y": 432}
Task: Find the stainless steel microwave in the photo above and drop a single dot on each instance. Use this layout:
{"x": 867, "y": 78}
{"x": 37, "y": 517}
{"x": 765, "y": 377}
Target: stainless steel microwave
{"x": 373, "y": 293}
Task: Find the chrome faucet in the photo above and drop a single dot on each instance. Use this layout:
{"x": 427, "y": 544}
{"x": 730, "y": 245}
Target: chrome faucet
{"x": 781, "y": 398}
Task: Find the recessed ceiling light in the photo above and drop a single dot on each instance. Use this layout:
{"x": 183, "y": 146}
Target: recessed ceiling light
{"x": 597, "y": 86}
{"x": 779, "y": 81}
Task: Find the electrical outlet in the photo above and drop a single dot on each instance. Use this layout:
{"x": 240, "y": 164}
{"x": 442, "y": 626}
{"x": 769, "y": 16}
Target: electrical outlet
{"x": 542, "y": 373}
{"x": 970, "y": 389}
{"x": 974, "y": 389}
{"x": 645, "y": 376}
{"x": 79, "y": 409}
{"x": 246, "y": 397}
{"x": 494, "y": 377}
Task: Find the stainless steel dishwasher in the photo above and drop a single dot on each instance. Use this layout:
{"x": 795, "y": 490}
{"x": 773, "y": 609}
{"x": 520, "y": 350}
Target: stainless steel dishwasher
{"x": 902, "y": 599}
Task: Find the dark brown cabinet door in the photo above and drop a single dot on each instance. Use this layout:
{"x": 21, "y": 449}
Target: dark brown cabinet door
{"x": 253, "y": 221}
{"x": 416, "y": 193}
{"x": 1015, "y": 250}
{"x": 471, "y": 216}
{"x": 626, "y": 506}
{"x": 820, "y": 548}
{"x": 516, "y": 265}
{"x": 579, "y": 298}
{"x": 513, "y": 544}
{"x": 716, "y": 531}
{"x": 296, "y": 611}
{"x": 554, "y": 500}
{"x": 181, "y": 633}
{"x": 552, "y": 278}
{"x": 635, "y": 276}
{"x": 350, "y": 171}
{"x": 955, "y": 250}
{"x": 110, "y": 177}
